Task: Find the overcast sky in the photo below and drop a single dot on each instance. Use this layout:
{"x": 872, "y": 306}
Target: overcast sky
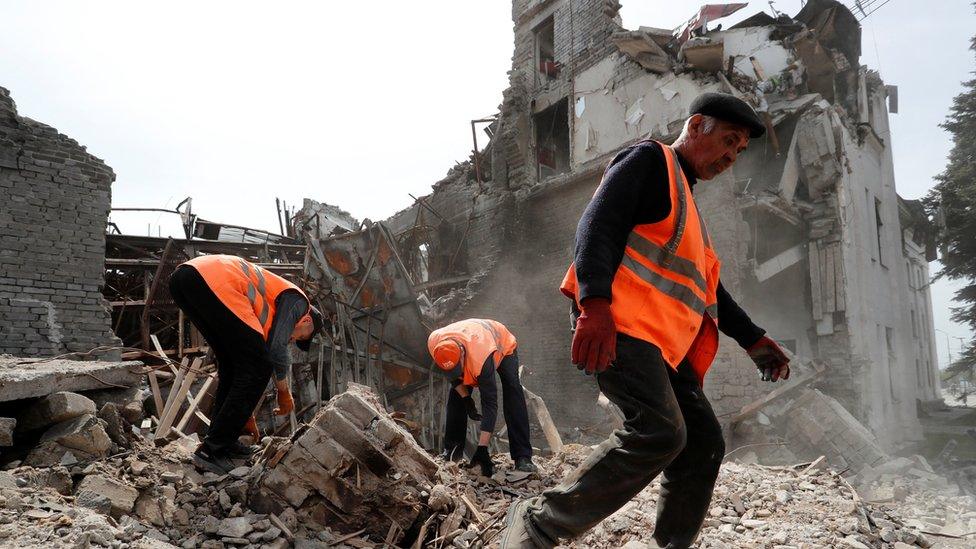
{"x": 361, "y": 103}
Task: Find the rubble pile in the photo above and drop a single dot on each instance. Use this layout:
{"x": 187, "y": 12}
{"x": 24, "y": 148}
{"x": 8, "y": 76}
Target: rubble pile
{"x": 353, "y": 467}
{"x": 922, "y": 497}
{"x": 355, "y": 478}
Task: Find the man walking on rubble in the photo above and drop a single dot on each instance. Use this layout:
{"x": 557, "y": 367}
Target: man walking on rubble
{"x": 472, "y": 351}
{"x": 248, "y": 316}
{"x": 647, "y": 305}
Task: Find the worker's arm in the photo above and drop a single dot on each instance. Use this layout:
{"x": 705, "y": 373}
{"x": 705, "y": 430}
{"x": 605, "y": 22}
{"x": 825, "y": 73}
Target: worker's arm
{"x": 734, "y": 322}
{"x": 489, "y": 400}
{"x": 289, "y": 309}
{"x": 634, "y": 190}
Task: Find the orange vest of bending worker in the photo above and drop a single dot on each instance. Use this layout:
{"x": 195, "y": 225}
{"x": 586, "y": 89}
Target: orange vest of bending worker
{"x": 247, "y": 290}
{"x": 664, "y": 291}
{"x": 479, "y": 339}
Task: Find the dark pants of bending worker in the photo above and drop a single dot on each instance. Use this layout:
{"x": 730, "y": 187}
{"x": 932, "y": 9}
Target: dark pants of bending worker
{"x": 669, "y": 427}
{"x": 242, "y": 367}
{"x": 513, "y": 405}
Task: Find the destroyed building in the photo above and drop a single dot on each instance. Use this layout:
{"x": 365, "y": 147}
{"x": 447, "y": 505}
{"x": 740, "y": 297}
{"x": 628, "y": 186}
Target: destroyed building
{"x": 97, "y": 453}
{"x": 808, "y": 214}
{"x": 56, "y": 197}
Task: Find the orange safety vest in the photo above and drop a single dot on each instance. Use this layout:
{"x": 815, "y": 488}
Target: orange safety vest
{"x": 479, "y": 339}
{"x": 664, "y": 291}
{"x": 247, "y": 290}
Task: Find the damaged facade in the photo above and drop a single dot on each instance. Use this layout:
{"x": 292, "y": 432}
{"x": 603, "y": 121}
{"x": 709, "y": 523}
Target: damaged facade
{"x": 56, "y": 200}
{"x": 816, "y": 222}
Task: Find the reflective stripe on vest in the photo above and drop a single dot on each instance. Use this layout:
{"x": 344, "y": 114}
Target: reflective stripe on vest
{"x": 668, "y": 287}
{"x": 667, "y": 258}
{"x": 254, "y": 292}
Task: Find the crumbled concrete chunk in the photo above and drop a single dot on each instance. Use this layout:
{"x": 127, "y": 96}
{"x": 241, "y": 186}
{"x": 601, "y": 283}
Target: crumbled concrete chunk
{"x": 55, "y": 408}
{"x": 83, "y": 437}
{"x": 7, "y": 426}
{"x": 122, "y": 496}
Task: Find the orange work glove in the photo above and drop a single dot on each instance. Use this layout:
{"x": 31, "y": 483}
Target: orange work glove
{"x": 251, "y": 428}
{"x": 772, "y": 362}
{"x": 285, "y": 403}
{"x": 595, "y": 338}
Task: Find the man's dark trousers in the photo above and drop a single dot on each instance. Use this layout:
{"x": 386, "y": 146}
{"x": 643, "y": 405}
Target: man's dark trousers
{"x": 669, "y": 427}
{"x": 241, "y": 352}
{"x": 513, "y": 405}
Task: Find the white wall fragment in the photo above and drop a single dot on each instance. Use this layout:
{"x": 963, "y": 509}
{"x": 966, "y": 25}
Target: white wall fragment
{"x": 635, "y": 112}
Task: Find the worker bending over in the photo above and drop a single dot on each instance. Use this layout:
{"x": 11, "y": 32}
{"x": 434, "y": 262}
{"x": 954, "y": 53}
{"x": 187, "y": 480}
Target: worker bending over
{"x": 471, "y": 351}
{"x": 648, "y": 303}
{"x": 248, "y": 316}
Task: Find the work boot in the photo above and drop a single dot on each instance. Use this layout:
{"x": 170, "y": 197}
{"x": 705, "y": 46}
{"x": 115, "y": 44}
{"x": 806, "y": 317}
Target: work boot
{"x": 217, "y": 462}
{"x": 238, "y": 450}
{"x": 455, "y": 453}
{"x": 525, "y": 465}
{"x": 519, "y": 532}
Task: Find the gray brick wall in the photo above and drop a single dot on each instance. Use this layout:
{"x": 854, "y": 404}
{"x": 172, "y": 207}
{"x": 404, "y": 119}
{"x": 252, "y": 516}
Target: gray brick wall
{"x": 56, "y": 199}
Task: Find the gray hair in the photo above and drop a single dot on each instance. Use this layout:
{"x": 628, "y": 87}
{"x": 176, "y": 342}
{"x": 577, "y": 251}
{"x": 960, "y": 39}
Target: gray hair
{"x": 708, "y": 124}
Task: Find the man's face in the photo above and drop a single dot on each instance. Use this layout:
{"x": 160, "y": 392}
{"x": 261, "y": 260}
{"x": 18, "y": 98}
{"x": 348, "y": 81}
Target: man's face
{"x": 714, "y": 152}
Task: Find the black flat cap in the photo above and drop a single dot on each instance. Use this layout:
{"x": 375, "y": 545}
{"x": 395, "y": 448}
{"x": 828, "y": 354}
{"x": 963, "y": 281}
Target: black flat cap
{"x": 729, "y": 109}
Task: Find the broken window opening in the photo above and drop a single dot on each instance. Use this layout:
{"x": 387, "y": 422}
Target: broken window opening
{"x": 422, "y": 274}
{"x": 880, "y": 227}
{"x": 552, "y": 139}
{"x": 892, "y": 359}
{"x": 545, "y": 51}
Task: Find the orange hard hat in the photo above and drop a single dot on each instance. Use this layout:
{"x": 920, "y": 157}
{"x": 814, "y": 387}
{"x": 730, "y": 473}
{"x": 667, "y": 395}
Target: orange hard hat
{"x": 447, "y": 354}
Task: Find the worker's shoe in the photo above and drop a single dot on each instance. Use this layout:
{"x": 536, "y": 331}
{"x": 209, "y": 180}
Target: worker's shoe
{"x": 454, "y": 453}
{"x": 525, "y": 465}
{"x": 214, "y": 461}
{"x": 238, "y": 450}
{"x": 519, "y": 532}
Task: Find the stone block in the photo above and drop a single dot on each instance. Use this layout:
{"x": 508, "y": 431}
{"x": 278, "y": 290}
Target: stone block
{"x": 338, "y": 469}
{"x": 7, "y": 426}
{"x": 122, "y": 496}
{"x": 236, "y": 527}
{"x": 55, "y": 408}
{"x": 366, "y": 449}
{"x": 83, "y": 438}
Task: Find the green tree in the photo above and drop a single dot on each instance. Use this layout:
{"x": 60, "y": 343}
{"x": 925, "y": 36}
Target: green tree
{"x": 952, "y": 203}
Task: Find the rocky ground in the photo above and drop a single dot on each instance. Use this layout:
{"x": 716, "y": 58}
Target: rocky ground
{"x": 385, "y": 493}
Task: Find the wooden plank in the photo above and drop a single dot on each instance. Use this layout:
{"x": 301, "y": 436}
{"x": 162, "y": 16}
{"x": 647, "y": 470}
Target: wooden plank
{"x": 157, "y": 396}
{"x": 194, "y": 403}
{"x": 817, "y": 464}
{"x": 475, "y": 512}
{"x": 177, "y": 381}
{"x": 287, "y": 533}
{"x": 161, "y": 352}
{"x": 789, "y": 387}
{"x": 815, "y": 290}
{"x": 545, "y": 420}
{"x": 827, "y": 258}
{"x": 291, "y": 415}
{"x": 170, "y": 415}
{"x": 841, "y": 296}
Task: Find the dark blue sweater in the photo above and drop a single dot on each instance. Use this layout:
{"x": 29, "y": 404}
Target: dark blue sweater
{"x": 635, "y": 190}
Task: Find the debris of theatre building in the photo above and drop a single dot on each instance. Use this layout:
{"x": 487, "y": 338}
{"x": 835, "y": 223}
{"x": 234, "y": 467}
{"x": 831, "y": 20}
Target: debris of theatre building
{"x": 105, "y": 386}
{"x": 815, "y": 241}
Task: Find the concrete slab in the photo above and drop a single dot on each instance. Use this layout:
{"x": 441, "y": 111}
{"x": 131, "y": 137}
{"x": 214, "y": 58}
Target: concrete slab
{"x": 30, "y": 378}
